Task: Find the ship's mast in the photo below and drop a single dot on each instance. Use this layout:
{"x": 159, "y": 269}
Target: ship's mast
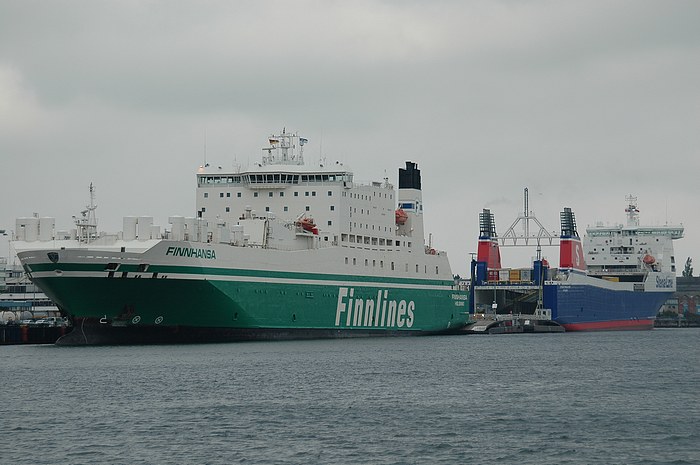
{"x": 87, "y": 223}
{"x": 285, "y": 149}
{"x": 632, "y": 211}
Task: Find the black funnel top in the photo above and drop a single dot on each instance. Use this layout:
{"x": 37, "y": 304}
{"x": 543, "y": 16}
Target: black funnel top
{"x": 487, "y": 225}
{"x": 409, "y": 178}
{"x": 568, "y": 223}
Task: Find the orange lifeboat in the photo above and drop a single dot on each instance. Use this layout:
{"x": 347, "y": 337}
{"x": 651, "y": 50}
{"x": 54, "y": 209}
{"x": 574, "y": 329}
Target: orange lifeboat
{"x": 649, "y": 259}
{"x": 401, "y": 216}
{"x": 307, "y": 224}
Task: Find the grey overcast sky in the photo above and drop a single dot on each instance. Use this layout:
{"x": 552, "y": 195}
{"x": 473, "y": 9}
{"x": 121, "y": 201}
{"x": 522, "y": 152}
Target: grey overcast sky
{"x": 583, "y": 102}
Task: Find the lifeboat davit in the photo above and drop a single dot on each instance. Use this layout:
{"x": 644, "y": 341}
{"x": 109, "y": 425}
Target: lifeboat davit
{"x": 307, "y": 224}
{"x": 401, "y": 216}
{"x": 649, "y": 259}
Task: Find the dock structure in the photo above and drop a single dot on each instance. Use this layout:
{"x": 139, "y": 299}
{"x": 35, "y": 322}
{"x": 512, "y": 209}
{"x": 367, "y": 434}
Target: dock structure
{"x": 539, "y": 322}
{"x": 11, "y": 334}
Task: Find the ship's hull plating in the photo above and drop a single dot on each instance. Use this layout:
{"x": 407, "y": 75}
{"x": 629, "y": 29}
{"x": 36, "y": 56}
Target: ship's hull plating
{"x": 175, "y": 303}
{"x": 90, "y": 331}
{"x": 587, "y": 307}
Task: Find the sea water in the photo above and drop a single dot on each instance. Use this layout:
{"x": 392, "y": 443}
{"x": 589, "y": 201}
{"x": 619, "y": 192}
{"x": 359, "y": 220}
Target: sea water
{"x": 616, "y": 397}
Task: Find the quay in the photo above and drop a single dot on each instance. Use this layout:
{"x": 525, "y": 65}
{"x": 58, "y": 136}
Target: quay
{"x": 31, "y": 334}
{"x": 539, "y": 322}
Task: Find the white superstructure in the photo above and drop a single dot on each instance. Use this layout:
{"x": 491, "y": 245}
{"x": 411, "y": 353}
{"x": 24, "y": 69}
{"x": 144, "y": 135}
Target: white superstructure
{"x": 626, "y": 250}
{"x": 346, "y": 212}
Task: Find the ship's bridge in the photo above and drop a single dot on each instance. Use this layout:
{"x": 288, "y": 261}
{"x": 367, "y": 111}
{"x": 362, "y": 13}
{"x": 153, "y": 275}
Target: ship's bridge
{"x": 272, "y": 178}
{"x": 674, "y": 232}
{"x": 282, "y": 165}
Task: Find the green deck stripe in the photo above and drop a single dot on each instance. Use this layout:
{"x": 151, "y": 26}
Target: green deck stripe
{"x": 196, "y": 270}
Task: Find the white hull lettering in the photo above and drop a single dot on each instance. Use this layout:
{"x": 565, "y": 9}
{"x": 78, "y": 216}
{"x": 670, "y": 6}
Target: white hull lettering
{"x": 191, "y": 252}
{"x": 379, "y": 312}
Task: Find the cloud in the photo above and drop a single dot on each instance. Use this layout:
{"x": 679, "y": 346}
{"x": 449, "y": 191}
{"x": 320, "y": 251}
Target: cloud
{"x": 19, "y": 108}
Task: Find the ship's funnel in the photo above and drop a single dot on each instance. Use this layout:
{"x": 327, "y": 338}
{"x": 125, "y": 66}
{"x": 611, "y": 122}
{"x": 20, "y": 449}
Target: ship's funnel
{"x": 409, "y": 221}
{"x": 488, "y": 250}
{"x": 570, "y": 247}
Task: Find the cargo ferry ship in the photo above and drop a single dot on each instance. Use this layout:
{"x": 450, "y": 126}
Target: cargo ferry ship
{"x": 617, "y": 279}
{"x": 280, "y": 250}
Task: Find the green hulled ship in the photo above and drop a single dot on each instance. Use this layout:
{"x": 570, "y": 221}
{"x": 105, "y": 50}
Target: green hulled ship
{"x": 280, "y": 250}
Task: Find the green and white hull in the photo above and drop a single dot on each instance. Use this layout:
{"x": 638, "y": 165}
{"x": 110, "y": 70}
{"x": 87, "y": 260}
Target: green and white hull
{"x": 220, "y": 293}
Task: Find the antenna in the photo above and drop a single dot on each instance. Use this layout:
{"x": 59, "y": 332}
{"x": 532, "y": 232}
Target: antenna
{"x": 206, "y": 135}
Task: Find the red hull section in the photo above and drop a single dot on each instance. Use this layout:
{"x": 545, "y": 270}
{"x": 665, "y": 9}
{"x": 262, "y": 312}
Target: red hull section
{"x": 611, "y": 325}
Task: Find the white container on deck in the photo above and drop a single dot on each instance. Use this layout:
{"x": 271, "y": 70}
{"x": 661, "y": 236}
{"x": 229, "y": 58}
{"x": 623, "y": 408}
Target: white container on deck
{"x": 46, "y": 228}
{"x": 144, "y": 227}
{"x": 129, "y": 233}
{"x": 178, "y": 227}
{"x": 190, "y": 229}
{"x": 27, "y": 229}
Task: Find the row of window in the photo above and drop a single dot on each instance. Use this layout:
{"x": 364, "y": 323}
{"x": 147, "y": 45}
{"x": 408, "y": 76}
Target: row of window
{"x": 273, "y": 178}
{"x": 392, "y": 265}
{"x": 267, "y": 209}
{"x": 354, "y": 195}
{"x": 369, "y": 240}
{"x": 635, "y": 232}
{"x": 269, "y": 194}
{"x": 366, "y": 226}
